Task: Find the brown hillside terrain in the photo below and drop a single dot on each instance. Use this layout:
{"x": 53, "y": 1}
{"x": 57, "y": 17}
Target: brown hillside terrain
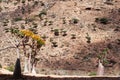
{"x": 90, "y": 26}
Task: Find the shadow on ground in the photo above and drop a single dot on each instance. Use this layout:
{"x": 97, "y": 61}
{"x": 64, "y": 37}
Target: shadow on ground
{"x": 9, "y": 77}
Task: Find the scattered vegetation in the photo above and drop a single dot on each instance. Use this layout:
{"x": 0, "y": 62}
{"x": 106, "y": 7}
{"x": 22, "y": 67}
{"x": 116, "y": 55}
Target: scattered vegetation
{"x": 118, "y": 41}
{"x": 44, "y": 37}
{"x": 103, "y": 56}
{"x": 94, "y": 27}
{"x": 29, "y": 39}
{"x": 35, "y": 25}
{"x": 74, "y": 21}
{"x": 22, "y": 27}
{"x": 56, "y": 32}
{"x": 1, "y": 9}
{"x": 10, "y": 68}
{"x": 109, "y": 2}
{"x": 23, "y": 1}
{"x": 88, "y": 8}
{"x": 92, "y": 74}
{"x": 50, "y": 23}
{"x": 0, "y": 66}
{"x": 54, "y": 44}
{"x": 73, "y": 36}
{"x": 18, "y": 19}
{"x": 64, "y": 21}
{"x": 119, "y": 10}
{"x": 43, "y": 12}
{"x": 35, "y": 4}
{"x": 64, "y": 33}
{"x": 0, "y": 1}
{"x": 45, "y": 22}
{"x": 5, "y": 24}
{"x": 88, "y": 38}
{"x": 102, "y": 20}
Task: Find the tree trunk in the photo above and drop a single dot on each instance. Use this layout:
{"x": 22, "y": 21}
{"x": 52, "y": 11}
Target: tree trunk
{"x": 29, "y": 63}
{"x": 33, "y": 70}
{"x": 26, "y": 66}
{"x": 100, "y": 69}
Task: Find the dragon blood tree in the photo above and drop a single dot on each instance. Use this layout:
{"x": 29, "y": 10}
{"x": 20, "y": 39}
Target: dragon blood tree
{"x": 30, "y": 43}
{"x": 34, "y": 42}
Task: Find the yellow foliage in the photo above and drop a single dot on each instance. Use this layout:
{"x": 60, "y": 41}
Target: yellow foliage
{"x": 41, "y": 42}
{"x": 27, "y": 33}
{"x": 33, "y": 36}
{"x": 36, "y": 37}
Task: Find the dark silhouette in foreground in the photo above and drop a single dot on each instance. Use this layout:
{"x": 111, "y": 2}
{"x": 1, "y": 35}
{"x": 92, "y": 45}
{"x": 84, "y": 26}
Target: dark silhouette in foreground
{"x": 17, "y": 71}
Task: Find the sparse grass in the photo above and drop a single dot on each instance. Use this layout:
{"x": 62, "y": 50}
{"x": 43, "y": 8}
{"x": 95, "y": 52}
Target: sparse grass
{"x": 10, "y": 68}
{"x": 0, "y": 66}
{"x": 92, "y": 74}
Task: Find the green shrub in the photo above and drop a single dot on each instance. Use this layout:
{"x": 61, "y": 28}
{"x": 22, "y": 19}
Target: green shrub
{"x": 22, "y": 27}
{"x": 56, "y": 32}
{"x": 64, "y": 33}
{"x": 102, "y": 20}
{"x": 64, "y": 21}
{"x": 23, "y": 1}
{"x": 43, "y": 12}
{"x": 73, "y": 36}
{"x": 103, "y": 56}
{"x": 50, "y": 22}
{"x": 35, "y": 25}
{"x": 5, "y": 24}
{"x": 88, "y": 38}
{"x": 109, "y": 2}
{"x": 74, "y": 21}
{"x": 18, "y": 19}
{"x": 54, "y": 44}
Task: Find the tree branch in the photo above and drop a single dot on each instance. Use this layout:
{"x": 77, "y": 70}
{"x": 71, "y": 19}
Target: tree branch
{"x": 7, "y": 48}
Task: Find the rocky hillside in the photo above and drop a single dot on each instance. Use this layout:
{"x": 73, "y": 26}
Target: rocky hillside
{"x": 77, "y": 32}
